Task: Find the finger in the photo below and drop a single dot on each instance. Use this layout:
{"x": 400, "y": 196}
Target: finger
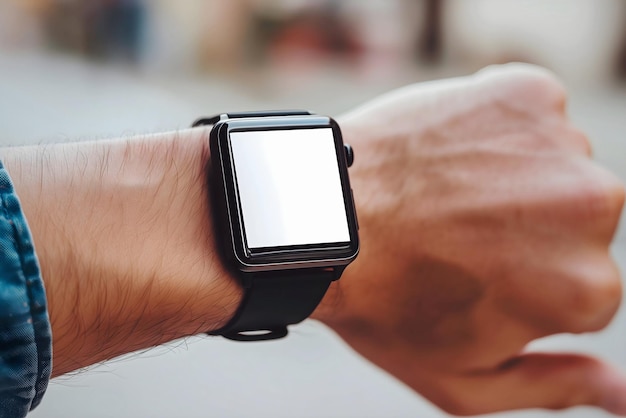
{"x": 549, "y": 381}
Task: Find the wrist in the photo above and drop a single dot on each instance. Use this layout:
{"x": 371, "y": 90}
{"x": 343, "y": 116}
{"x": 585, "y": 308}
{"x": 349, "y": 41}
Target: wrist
{"x": 127, "y": 253}
{"x": 348, "y": 299}
{"x": 334, "y": 309}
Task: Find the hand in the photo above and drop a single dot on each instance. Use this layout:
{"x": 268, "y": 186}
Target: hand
{"x": 484, "y": 226}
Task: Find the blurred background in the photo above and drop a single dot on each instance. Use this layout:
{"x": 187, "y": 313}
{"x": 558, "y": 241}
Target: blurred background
{"x": 88, "y": 69}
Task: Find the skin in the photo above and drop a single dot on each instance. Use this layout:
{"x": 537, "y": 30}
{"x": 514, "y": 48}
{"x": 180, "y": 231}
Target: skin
{"x": 484, "y": 225}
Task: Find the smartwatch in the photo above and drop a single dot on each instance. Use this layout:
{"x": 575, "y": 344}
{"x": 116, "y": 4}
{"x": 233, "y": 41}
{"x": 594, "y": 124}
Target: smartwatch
{"x": 284, "y": 214}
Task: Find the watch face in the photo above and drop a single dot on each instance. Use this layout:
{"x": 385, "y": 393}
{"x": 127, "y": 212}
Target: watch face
{"x": 287, "y": 192}
{"x": 289, "y": 187}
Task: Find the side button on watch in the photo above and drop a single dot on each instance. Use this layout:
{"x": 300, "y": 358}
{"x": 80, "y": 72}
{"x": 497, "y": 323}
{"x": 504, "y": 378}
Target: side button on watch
{"x": 283, "y": 212}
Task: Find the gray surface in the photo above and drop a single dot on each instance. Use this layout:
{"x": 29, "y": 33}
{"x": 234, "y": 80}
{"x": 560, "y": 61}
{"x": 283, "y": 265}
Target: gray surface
{"x": 311, "y": 374}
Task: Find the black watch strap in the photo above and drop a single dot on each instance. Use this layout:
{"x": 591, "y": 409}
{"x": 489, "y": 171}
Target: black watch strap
{"x": 272, "y": 302}
{"x": 276, "y": 299}
{"x": 212, "y": 120}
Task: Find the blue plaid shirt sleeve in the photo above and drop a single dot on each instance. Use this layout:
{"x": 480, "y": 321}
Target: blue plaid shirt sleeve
{"x": 25, "y": 335}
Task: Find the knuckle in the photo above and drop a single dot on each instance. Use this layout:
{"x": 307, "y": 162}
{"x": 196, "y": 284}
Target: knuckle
{"x": 536, "y": 83}
{"x": 618, "y": 193}
{"x": 612, "y": 191}
{"x": 580, "y": 141}
{"x": 593, "y": 301}
{"x": 600, "y": 197}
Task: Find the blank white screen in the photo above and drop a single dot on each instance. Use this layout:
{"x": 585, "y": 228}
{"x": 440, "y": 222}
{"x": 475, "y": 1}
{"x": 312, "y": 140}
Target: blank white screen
{"x": 289, "y": 187}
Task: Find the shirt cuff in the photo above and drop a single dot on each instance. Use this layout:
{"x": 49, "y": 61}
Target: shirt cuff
{"x": 25, "y": 333}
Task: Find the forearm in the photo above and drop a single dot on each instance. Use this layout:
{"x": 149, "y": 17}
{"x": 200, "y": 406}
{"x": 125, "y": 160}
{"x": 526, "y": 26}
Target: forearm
{"x": 123, "y": 233}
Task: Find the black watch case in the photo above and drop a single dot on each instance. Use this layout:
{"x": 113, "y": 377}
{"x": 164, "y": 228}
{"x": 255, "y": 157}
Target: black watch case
{"x": 237, "y": 146}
